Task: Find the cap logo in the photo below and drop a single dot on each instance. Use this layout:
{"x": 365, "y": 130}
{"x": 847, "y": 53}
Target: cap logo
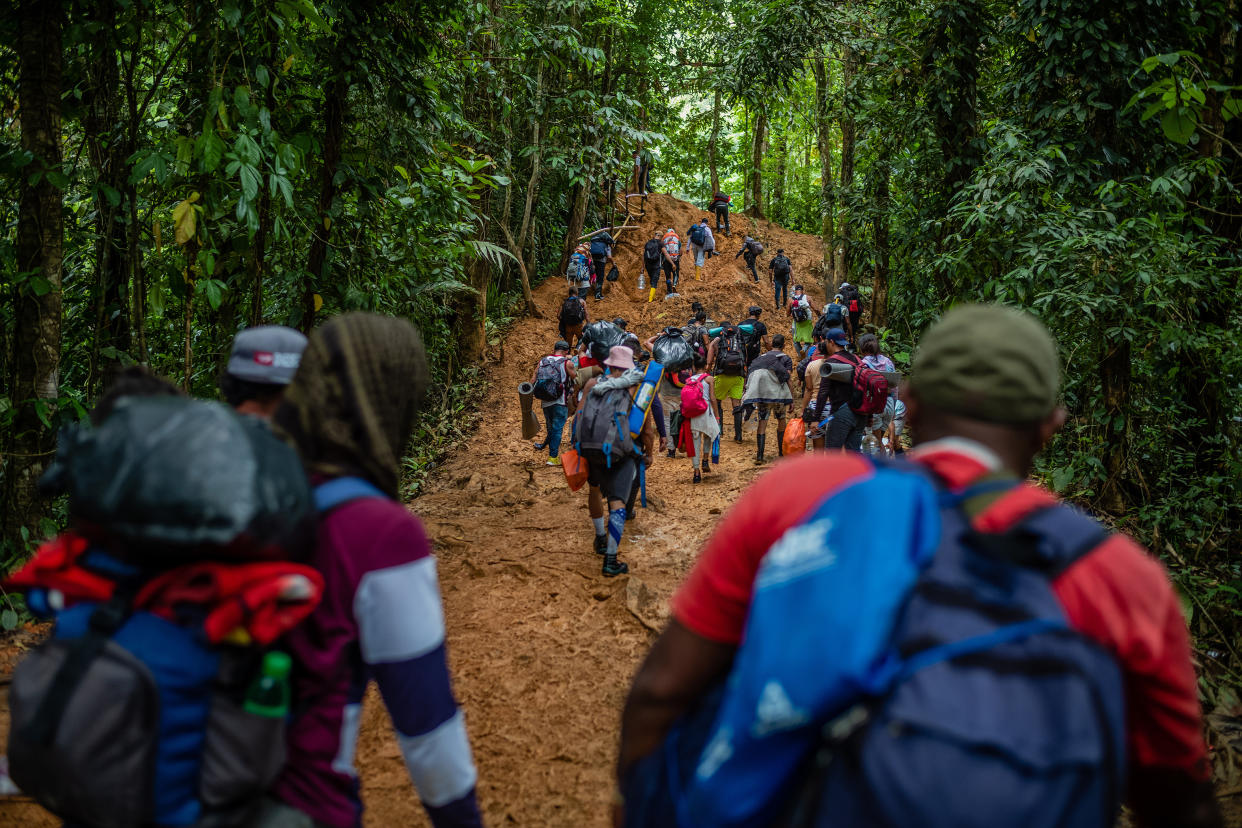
{"x": 264, "y": 357}
{"x": 278, "y": 359}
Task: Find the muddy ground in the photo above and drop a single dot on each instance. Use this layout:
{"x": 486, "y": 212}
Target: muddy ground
{"x": 542, "y": 646}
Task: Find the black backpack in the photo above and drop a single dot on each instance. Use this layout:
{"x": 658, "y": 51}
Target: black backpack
{"x": 698, "y": 234}
{"x": 801, "y": 312}
{"x": 572, "y": 311}
{"x": 853, "y": 300}
{"x": 730, "y": 359}
{"x": 651, "y": 251}
{"x": 781, "y": 266}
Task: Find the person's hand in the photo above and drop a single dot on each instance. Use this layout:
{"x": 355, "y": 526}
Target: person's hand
{"x": 663, "y": 444}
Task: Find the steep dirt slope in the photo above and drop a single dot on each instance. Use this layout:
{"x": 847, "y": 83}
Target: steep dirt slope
{"x": 542, "y": 646}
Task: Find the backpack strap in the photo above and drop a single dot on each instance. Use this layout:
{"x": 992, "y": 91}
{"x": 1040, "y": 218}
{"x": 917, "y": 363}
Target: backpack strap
{"x": 341, "y": 490}
{"x": 105, "y": 620}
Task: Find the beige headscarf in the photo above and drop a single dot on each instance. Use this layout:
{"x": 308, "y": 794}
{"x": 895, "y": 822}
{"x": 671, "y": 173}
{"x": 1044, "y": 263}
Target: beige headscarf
{"x": 350, "y": 408}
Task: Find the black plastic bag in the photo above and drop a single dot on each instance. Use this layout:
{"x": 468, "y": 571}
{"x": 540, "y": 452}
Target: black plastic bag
{"x": 164, "y": 480}
{"x": 613, "y": 274}
{"x": 600, "y": 337}
{"x": 671, "y": 350}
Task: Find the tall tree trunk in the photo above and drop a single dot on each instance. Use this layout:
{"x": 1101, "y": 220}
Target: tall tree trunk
{"x": 578, "y": 195}
{"x": 333, "y": 134}
{"x": 713, "y": 143}
{"x": 525, "y": 232}
{"x": 35, "y": 382}
{"x": 879, "y": 287}
{"x": 108, "y": 150}
{"x": 776, "y": 207}
{"x": 1115, "y": 384}
{"x": 848, "y": 137}
{"x": 827, "y": 192}
{"x": 755, "y": 208}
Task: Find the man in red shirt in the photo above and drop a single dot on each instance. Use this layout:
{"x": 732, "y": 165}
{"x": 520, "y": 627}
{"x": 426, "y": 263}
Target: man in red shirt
{"x": 982, "y": 402}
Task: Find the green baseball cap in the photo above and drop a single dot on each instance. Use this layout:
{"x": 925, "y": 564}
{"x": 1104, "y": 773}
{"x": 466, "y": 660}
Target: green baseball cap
{"x": 988, "y": 362}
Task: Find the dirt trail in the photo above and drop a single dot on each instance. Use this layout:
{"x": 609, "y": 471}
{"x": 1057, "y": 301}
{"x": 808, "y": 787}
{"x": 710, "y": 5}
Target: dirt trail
{"x": 542, "y": 646}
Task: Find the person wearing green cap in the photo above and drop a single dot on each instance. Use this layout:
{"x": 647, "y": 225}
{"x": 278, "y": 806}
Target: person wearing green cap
{"x": 982, "y": 402}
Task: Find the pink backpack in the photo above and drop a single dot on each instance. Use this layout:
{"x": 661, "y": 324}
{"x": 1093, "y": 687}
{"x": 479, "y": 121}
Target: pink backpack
{"x": 693, "y": 403}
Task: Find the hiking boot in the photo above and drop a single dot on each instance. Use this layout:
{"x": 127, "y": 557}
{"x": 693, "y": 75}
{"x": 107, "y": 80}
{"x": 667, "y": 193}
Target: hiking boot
{"x": 553, "y": 461}
{"x": 613, "y": 567}
{"x": 698, "y": 478}
{"x": 601, "y": 544}
{"x": 672, "y": 452}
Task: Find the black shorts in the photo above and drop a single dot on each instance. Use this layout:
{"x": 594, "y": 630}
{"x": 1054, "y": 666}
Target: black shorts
{"x": 615, "y": 481}
{"x": 652, "y": 267}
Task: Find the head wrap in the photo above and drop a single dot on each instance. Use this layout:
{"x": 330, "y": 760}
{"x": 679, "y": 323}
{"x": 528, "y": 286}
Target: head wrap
{"x": 350, "y": 408}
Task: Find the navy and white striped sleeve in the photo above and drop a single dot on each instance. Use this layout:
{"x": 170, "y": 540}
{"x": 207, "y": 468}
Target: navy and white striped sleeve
{"x": 401, "y": 634}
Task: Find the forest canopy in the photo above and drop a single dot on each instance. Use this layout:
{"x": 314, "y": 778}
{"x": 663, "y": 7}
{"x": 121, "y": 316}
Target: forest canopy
{"x": 174, "y": 172}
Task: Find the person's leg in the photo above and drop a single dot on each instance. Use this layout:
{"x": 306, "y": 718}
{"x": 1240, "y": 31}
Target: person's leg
{"x": 546, "y": 442}
{"x": 839, "y": 428}
{"x": 556, "y": 428}
{"x": 671, "y": 406}
{"x": 618, "y": 488}
{"x": 780, "y": 432}
{"x": 697, "y": 460}
{"x": 599, "y": 519}
{"x": 737, "y": 413}
{"x": 761, "y": 435}
{"x": 753, "y": 272}
{"x": 599, "y": 264}
{"x": 706, "y": 451}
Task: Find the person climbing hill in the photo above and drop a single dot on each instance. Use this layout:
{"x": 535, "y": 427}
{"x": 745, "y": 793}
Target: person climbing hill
{"x": 579, "y": 273}
{"x": 572, "y": 317}
{"x": 727, "y": 361}
{"x": 701, "y": 240}
{"x": 720, "y": 206}
{"x": 749, "y": 252}
{"x": 755, "y": 341}
{"x": 854, "y": 304}
{"x": 601, "y": 255}
{"x": 653, "y": 254}
{"x": 553, "y": 380}
{"x": 700, "y": 428}
{"x": 671, "y": 262}
{"x": 802, "y": 314}
{"x": 781, "y": 270}
{"x": 769, "y": 392}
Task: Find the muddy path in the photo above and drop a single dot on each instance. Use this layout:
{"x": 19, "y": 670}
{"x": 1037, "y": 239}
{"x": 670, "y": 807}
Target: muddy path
{"x": 542, "y": 646}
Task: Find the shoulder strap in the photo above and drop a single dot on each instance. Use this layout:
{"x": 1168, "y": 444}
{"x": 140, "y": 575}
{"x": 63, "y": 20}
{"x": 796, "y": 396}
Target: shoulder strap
{"x": 341, "y": 490}
{"x": 1066, "y": 534}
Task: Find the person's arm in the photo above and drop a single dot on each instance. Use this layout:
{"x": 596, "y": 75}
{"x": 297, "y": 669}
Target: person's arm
{"x": 571, "y": 374}
{"x": 657, "y": 414}
{"x": 678, "y": 670}
{"x": 712, "y": 347}
{"x": 650, "y": 343}
{"x": 401, "y": 639}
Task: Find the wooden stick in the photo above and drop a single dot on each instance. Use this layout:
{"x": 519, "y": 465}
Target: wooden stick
{"x": 602, "y": 229}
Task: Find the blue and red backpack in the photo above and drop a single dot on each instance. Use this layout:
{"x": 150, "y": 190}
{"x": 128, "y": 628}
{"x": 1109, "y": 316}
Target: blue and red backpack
{"x": 930, "y": 679}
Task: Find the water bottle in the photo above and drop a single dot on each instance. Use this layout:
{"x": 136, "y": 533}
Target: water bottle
{"x": 268, "y": 694}
{"x": 870, "y": 444}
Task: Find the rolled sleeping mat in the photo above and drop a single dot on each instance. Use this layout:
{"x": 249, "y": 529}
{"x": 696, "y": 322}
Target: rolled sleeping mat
{"x": 840, "y": 372}
{"x": 530, "y": 422}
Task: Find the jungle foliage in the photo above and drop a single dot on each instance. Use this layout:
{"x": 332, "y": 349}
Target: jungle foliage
{"x": 173, "y": 172}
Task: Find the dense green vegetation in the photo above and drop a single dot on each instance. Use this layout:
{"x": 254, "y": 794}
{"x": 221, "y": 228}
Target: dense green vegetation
{"x": 173, "y": 172}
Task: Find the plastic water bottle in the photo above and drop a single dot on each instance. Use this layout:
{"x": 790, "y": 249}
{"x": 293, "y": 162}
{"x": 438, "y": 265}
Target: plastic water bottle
{"x": 268, "y": 694}
{"x": 870, "y": 444}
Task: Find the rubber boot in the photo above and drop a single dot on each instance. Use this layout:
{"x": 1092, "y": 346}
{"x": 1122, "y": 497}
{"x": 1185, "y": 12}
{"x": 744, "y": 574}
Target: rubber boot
{"x": 780, "y": 440}
{"x": 651, "y": 296}
{"x": 613, "y": 567}
{"x": 762, "y": 440}
{"x": 601, "y": 544}
{"x": 698, "y": 273}
{"x": 737, "y": 425}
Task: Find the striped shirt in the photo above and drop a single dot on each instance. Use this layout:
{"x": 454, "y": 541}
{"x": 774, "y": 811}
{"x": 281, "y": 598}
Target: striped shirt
{"x": 380, "y": 619}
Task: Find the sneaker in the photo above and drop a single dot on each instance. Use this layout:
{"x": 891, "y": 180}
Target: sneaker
{"x": 540, "y": 446}
{"x": 553, "y": 461}
{"x": 613, "y": 567}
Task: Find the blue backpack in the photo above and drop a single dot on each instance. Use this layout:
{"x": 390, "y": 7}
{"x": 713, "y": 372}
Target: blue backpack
{"x": 959, "y": 697}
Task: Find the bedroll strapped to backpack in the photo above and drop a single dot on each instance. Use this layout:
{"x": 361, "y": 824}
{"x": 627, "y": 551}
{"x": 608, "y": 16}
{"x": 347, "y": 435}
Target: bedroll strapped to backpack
{"x": 931, "y": 679}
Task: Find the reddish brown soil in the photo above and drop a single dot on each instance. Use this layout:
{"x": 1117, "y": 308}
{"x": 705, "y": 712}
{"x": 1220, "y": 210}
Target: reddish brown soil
{"x": 542, "y": 646}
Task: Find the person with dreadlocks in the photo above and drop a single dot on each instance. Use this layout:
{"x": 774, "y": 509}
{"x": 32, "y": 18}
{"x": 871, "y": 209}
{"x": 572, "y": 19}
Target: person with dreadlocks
{"x": 380, "y": 617}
